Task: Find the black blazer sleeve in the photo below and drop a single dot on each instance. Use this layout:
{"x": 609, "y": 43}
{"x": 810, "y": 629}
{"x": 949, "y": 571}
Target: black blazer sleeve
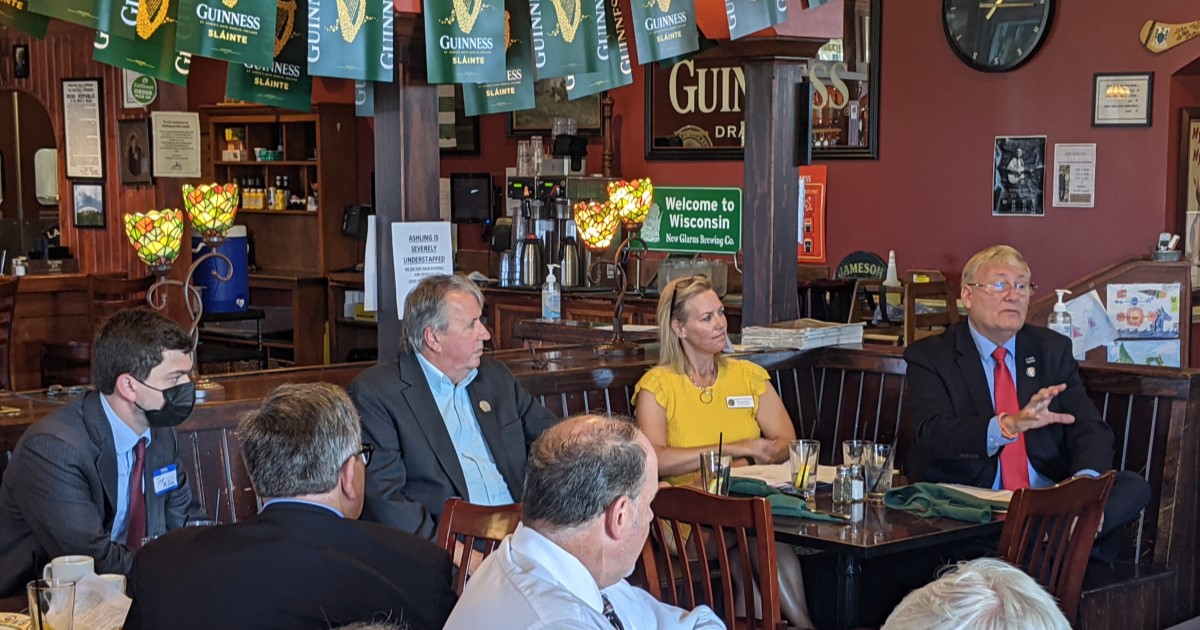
{"x": 937, "y": 399}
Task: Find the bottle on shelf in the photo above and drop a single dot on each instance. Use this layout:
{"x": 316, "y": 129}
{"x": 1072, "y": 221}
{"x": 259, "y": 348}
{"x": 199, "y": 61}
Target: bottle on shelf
{"x": 271, "y": 194}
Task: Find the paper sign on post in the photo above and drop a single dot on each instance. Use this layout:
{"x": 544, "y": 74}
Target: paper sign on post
{"x": 419, "y": 249}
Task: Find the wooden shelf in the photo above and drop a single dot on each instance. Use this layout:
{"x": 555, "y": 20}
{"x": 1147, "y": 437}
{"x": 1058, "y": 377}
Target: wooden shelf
{"x": 266, "y": 163}
{"x": 349, "y": 321}
{"x": 292, "y": 212}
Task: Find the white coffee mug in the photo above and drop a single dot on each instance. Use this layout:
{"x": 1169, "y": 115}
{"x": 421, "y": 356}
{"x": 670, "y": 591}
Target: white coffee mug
{"x": 69, "y": 568}
{"x": 115, "y": 579}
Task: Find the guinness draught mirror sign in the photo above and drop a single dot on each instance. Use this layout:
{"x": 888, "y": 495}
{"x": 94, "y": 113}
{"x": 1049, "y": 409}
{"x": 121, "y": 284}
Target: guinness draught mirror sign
{"x": 564, "y": 37}
{"x": 351, "y": 39}
{"x": 664, "y": 29}
{"x": 285, "y": 81}
{"x": 516, "y": 91}
{"x": 613, "y": 52}
{"x": 465, "y": 40}
{"x": 238, "y": 31}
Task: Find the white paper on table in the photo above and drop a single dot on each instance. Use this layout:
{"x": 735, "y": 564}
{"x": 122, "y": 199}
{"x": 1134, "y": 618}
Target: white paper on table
{"x": 419, "y": 249}
{"x": 1090, "y": 325}
{"x": 987, "y": 494}
{"x": 631, "y": 327}
{"x": 99, "y": 605}
{"x": 371, "y": 269}
{"x": 779, "y": 474}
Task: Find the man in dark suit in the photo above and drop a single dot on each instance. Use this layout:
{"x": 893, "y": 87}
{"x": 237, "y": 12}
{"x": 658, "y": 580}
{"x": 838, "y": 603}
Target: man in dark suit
{"x": 304, "y": 561}
{"x": 102, "y": 473}
{"x": 999, "y": 403}
{"x": 447, "y": 421}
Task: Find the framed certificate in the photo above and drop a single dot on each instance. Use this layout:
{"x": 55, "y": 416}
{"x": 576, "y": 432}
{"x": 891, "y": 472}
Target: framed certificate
{"x": 83, "y": 125}
{"x": 1122, "y": 100}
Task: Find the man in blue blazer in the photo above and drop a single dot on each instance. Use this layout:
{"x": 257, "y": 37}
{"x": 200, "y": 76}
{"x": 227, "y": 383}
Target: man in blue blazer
{"x": 446, "y": 421}
{"x": 999, "y": 403}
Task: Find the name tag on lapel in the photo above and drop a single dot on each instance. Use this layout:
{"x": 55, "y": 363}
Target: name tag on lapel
{"x": 166, "y": 479}
{"x": 739, "y": 402}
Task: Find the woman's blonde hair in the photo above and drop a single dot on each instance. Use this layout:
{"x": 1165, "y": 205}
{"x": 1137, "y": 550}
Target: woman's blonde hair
{"x": 672, "y": 305}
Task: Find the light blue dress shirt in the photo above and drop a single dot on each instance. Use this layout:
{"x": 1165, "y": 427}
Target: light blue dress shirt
{"x": 124, "y": 439}
{"x": 995, "y": 438}
{"x": 485, "y": 485}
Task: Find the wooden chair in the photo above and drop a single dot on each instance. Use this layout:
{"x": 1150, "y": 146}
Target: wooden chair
{"x": 1049, "y": 534}
{"x": 69, "y": 363}
{"x": 8, "y": 304}
{"x": 677, "y": 569}
{"x": 932, "y": 285}
{"x": 479, "y": 527}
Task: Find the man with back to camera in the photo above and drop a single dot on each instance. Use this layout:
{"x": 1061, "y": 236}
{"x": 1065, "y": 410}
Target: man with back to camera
{"x": 101, "y": 473}
{"x": 446, "y": 421}
{"x": 304, "y": 561}
{"x": 585, "y": 518}
{"x": 999, "y": 403}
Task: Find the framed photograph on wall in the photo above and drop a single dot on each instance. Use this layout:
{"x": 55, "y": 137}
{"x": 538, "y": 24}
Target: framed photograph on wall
{"x": 88, "y": 204}
{"x": 1122, "y": 99}
{"x": 458, "y": 134}
{"x": 21, "y": 61}
{"x": 552, "y": 102}
{"x": 134, "y": 152}
{"x": 83, "y": 126}
{"x": 1019, "y": 176}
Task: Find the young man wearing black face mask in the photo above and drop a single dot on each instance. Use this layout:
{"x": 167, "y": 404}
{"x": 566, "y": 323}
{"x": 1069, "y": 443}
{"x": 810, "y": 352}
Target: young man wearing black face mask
{"x": 102, "y": 473}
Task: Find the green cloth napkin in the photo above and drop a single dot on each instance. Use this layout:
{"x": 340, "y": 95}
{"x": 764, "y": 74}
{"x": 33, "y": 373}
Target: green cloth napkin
{"x": 931, "y": 499}
{"x": 781, "y": 504}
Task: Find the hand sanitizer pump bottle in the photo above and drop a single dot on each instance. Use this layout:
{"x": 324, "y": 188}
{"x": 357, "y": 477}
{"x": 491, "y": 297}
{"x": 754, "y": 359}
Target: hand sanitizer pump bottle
{"x": 551, "y": 295}
{"x": 1060, "y": 320}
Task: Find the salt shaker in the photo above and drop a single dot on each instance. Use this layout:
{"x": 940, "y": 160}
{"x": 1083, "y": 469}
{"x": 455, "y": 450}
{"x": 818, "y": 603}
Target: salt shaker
{"x": 857, "y": 484}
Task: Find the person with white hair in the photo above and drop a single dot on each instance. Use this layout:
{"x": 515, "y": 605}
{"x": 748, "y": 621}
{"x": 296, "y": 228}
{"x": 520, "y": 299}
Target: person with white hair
{"x": 982, "y": 594}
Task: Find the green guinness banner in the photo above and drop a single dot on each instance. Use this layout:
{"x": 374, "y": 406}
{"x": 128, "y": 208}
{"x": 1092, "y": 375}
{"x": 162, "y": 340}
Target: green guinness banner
{"x": 153, "y": 55}
{"x": 284, "y": 82}
{"x": 616, "y": 70}
{"x": 464, "y": 40}
{"x": 15, "y": 14}
{"x": 81, "y": 12}
{"x": 240, "y": 32}
{"x": 564, "y": 37}
{"x": 516, "y": 93}
{"x": 664, "y": 28}
{"x": 364, "y": 99}
{"x": 351, "y": 39}
{"x": 750, "y": 16}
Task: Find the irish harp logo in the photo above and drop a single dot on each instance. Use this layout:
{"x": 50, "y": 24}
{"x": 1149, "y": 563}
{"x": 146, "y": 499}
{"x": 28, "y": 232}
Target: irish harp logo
{"x": 351, "y": 16}
{"x": 151, "y": 15}
{"x": 508, "y": 40}
{"x": 467, "y": 11}
{"x": 229, "y": 3}
{"x": 285, "y": 21}
{"x": 663, "y": 5}
{"x": 570, "y": 14}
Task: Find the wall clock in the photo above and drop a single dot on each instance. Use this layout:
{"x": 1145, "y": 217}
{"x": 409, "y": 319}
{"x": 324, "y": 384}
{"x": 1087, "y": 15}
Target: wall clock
{"x": 996, "y": 35}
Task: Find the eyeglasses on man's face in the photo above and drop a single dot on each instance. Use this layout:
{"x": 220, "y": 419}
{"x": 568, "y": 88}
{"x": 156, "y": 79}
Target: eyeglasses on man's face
{"x": 1002, "y": 287}
{"x": 365, "y": 453}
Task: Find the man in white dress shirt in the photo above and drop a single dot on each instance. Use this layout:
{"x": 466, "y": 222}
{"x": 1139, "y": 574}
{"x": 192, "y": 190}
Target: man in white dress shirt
{"x": 585, "y": 516}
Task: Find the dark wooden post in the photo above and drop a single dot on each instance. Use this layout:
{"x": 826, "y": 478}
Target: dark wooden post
{"x": 406, "y": 169}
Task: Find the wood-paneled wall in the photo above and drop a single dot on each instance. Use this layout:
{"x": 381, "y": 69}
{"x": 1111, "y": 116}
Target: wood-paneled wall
{"x": 66, "y": 53}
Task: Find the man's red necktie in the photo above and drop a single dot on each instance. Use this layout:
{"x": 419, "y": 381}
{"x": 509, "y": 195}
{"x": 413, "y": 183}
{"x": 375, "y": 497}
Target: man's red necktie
{"x": 1014, "y": 461}
{"x": 135, "y": 530}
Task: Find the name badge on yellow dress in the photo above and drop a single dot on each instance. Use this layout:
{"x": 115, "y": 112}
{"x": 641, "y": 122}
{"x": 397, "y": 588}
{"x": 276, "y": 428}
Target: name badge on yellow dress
{"x": 739, "y": 402}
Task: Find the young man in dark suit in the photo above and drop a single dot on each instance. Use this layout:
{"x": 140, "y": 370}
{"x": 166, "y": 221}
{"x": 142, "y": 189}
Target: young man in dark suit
{"x": 447, "y": 421}
{"x": 999, "y": 403}
{"x": 304, "y": 561}
{"x": 102, "y": 473}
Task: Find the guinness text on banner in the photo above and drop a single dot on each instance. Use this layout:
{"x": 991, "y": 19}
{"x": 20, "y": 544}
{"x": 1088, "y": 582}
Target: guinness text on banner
{"x": 516, "y": 92}
{"x": 616, "y": 67}
{"x": 464, "y": 40}
{"x": 237, "y": 31}
{"x": 284, "y": 82}
{"x": 664, "y": 29}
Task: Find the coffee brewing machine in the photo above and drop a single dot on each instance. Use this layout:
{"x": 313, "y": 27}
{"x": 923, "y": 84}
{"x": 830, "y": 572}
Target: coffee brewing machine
{"x": 540, "y": 217}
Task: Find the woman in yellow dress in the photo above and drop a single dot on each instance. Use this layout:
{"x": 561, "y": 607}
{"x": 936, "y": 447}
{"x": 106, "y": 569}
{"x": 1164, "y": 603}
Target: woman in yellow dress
{"x": 696, "y": 394}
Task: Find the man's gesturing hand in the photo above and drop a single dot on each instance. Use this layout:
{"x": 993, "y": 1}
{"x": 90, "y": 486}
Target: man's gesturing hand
{"x": 1037, "y": 413}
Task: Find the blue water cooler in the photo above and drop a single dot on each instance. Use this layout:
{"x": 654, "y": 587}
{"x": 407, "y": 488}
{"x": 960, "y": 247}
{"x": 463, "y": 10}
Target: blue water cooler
{"x": 233, "y": 295}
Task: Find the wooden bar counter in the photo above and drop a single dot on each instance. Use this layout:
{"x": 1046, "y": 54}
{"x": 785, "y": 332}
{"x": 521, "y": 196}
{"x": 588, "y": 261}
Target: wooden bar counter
{"x": 49, "y": 308}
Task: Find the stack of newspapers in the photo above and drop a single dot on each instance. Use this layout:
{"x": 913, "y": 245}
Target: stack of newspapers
{"x": 802, "y": 334}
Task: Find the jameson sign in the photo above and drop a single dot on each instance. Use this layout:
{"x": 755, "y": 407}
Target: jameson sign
{"x": 515, "y": 93}
{"x": 707, "y": 220}
{"x": 664, "y": 29}
{"x": 465, "y": 40}
{"x": 750, "y": 16}
{"x": 237, "y": 31}
{"x": 283, "y": 82}
{"x": 81, "y": 12}
{"x": 351, "y": 40}
{"x": 564, "y": 37}
{"x": 15, "y": 14}
{"x": 613, "y": 51}
{"x": 151, "y": 51}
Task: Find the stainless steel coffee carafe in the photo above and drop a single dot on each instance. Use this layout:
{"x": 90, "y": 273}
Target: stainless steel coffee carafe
{"x": 570, "y": 261}
{"x": 529, "y": 252}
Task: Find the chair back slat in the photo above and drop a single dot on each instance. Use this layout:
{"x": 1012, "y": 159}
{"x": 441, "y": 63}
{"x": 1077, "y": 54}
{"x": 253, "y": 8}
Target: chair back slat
{"x": 700, "y": 541}
{"x": 8, "y": 306}
{"x": 475, "y": 527}
{"x": 1049, "y": 534}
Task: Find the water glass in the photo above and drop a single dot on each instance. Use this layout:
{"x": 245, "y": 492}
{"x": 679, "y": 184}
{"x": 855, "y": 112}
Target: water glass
{"x": 714, "y": 472}
{"x": 524, "y": 159}
{"x": 51, "y": 604}
{"x": 853, "y": 451}
{"x": 877, "y": 466}
{"x": 803, "y": 455}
